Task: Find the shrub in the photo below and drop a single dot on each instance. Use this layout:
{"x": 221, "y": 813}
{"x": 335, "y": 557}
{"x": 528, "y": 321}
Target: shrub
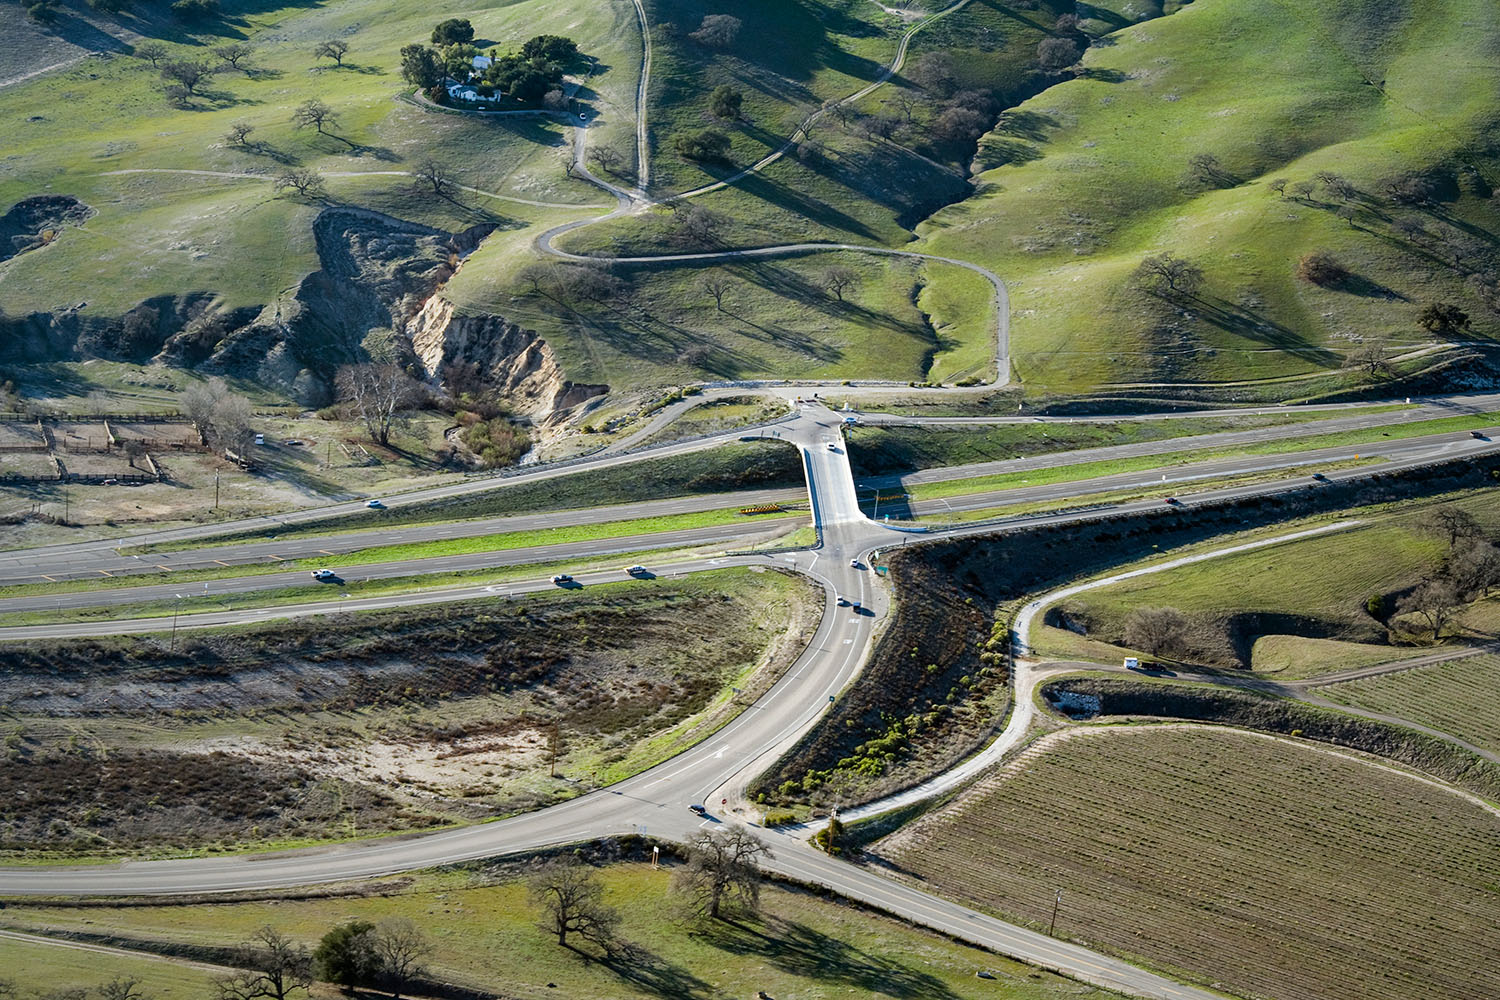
{"x": 1321, "y": 268}
{"x": 707, "y": 145}
{"x": 454, "y": 31}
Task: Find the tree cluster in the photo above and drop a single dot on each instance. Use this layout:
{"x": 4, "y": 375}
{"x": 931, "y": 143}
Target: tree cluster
{"x": 388, "y": 955}
{"x": 223, "y": 418}
{"x": 527, "y": 78}
{"x": 708, "y": 145}
{"x": 1470, "y": 570}
{"x": 717, "y": 31}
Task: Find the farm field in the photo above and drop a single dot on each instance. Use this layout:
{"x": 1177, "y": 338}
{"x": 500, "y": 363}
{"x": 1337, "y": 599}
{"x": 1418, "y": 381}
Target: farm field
{"x": 1267, "y": 867}
{"x": 382, "y": 721}
{"x": 485, "y": 937}
{"x": 1461, "y": 697}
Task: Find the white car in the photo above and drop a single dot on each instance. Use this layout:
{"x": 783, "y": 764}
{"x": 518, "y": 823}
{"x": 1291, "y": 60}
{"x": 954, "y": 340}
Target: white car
{"x": 324, "y": 574}
{"x": 375, "y": 505}
{"x": 636, "y": 570}
{"x": 832, "y": 446}
{"x": 854, "y": 564}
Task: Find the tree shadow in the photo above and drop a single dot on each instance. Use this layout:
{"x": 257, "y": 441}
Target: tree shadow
{"x": 1102, "y": 75}
{"x": 1243, "y": 321}
{"x": 1034, "y": 126}
{"x": 648, "y": 971}
{"x": 801, "y": 950}
{"x": 1358, "y": 284}
{"x": 271, "y": 153}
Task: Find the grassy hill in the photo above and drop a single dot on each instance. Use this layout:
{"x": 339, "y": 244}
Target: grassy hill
{"x": 104, "y": 132}
{"x": 1094, "y": 174}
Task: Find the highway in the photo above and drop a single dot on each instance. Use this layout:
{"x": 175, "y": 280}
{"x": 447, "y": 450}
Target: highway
{"x": 655, "y": 802}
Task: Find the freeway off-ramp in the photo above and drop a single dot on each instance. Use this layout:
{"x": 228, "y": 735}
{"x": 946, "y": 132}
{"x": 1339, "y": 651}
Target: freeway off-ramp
{"x": 654, "y": 802}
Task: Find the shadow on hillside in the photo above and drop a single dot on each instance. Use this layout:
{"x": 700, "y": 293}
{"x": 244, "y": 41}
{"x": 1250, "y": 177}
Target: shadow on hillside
{"x": 1251, "y": 324}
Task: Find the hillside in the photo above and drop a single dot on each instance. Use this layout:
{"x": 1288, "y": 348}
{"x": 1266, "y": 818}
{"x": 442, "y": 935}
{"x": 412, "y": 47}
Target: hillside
{"x": 1397, "y": 100}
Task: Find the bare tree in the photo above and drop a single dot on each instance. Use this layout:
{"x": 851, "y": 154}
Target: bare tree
{"x": 1057, "y": 54}
{"x": 716, "y": 285}
{"x": 1450, "y": 522}
{"x": 555, "y": 100}
{"x": 122, "y": 988}
{"x": 234, "y": 53}
{"x": 572, "y": 902}
{"x": 696, "y": 225}
{"x": 1302, "y": 190}
{"x": 907, "y": 104}
{"x": 1278, "y": 186}
{"x": 1474, "y": 567}
{"x": 307, "y": 183}
{"x": 133, "y": 450}
{"x": 1158, "y": 631}
{"x": 332, "y": 49}
{"x": 606, "y": 158}
{"x": 239, "y": 134}
{"x": 378, "y": 393}
{"x": 233, "y": 423}
{"x": 539, "y": 275}
{"x": 314, "y": 114}
{"x": 152, "y": 52}
{"x": 434, "y": 174}
{"x": 197, "y": 404}
{"x": 1436, "y": 601}
{"x": 1370, "y": 358}
{"x": 188, "y": 74}
{"x": 838, "y": 280}
{"x": 1205, "y": 170}
{"x": 1168, "y": 275}
{"x": 400, "y": 948}
{"x": 723, "y": 865}
{"x": 1336, "y": 185}
{"x": 934, "y": 71}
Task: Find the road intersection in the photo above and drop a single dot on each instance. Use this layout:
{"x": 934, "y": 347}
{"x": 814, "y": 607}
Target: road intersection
{"x": 654, "y": 802}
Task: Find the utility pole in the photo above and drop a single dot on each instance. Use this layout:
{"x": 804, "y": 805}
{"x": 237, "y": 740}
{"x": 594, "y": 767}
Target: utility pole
{"x": 556, "y": 737}
{"x": 1055, "y": 906}
{"x": 67, "y": 498}
{"x": 176, "y": 606}
{"x": 216, "y": 490}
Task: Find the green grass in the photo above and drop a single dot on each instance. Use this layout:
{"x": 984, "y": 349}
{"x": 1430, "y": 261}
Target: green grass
{"x": 1459, "y": 697}
{"x": 1260, "y": 867}
{"x": 1109, "y": 467}
{"x": 162, "y": 233}
{"x": 485, "y": 937}
{"x": 1292, "y": 585}
{"x": 41, "y": 970}
{"x": 1296, "y": 657}
{"x": 876, "y": 450}
{"x": 1365, "y": 88}
{"x": 499, "y": 542}
{"x": 727, "y": 468}
{"x": 276, "y": 597}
